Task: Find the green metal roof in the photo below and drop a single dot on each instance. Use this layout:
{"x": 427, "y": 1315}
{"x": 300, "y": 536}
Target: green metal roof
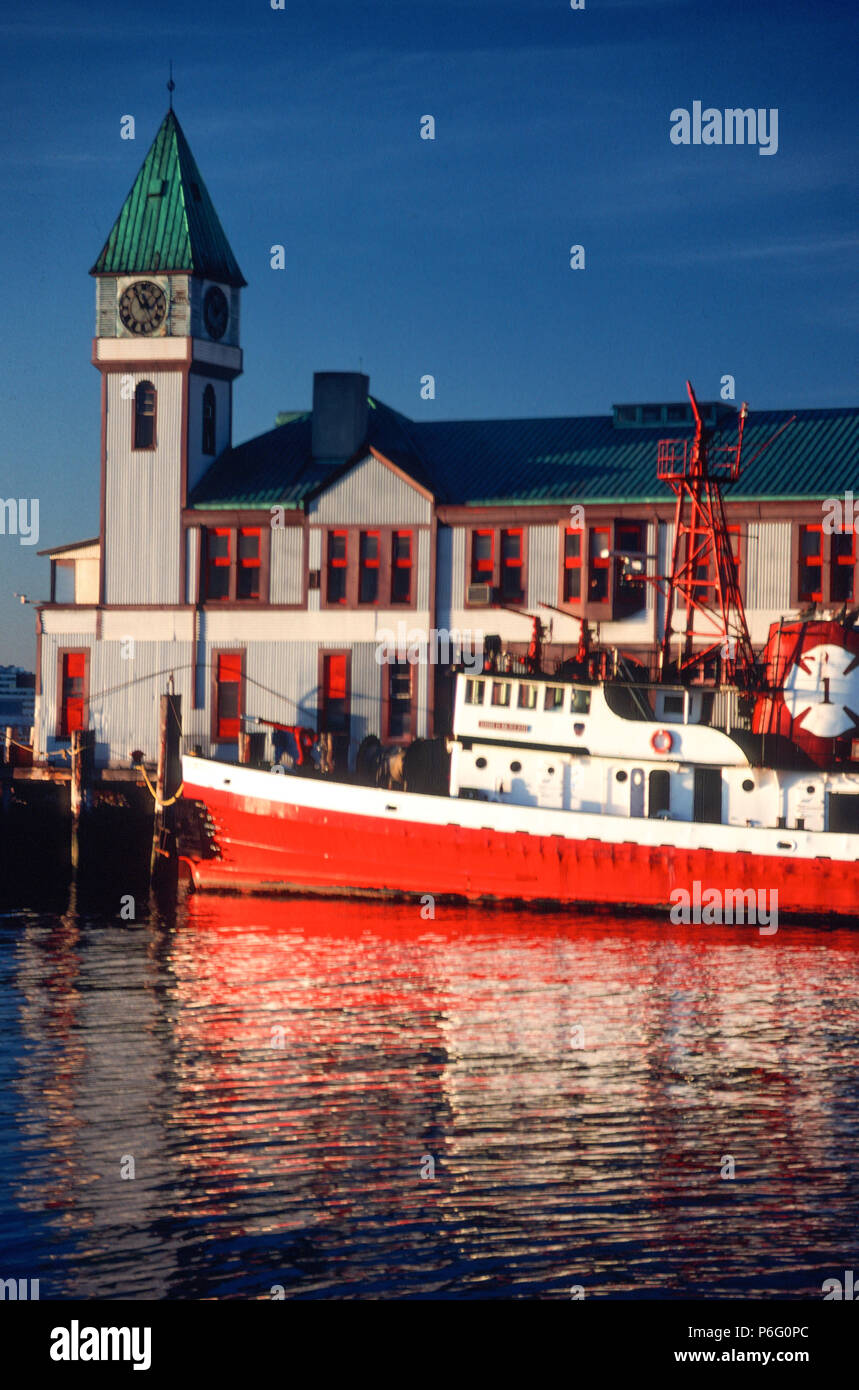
{"x": 540, "y": 462}
{"x": 168, "y": 222}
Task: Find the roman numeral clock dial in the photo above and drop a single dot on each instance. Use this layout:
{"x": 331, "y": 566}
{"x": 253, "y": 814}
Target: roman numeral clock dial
{"x": 143, "y": 307}
{"x": 216, "y": 311}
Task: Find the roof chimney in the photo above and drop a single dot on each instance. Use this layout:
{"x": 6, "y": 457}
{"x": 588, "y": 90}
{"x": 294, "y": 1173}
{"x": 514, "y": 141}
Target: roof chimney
{"x": 339, "y": 414}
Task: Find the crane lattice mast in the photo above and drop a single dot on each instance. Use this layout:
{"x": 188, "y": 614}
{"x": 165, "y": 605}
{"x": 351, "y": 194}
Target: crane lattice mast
{"x": 703, "y": 566}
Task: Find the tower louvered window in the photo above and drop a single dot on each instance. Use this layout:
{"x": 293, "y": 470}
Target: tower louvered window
{"x": 209, "y": 419}
{"x": 144, "y": 416}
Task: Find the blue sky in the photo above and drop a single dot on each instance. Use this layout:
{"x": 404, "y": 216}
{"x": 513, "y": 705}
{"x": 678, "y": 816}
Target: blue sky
{"x": 450, "y": 256}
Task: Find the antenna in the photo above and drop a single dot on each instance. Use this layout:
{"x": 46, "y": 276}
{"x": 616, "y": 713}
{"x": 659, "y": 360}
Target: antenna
{"x": 171, "y": 85}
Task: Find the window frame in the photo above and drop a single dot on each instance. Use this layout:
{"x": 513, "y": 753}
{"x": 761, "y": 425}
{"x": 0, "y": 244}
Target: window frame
{"x": 585, "y": 607}
{"x": 366, "y": 564}
{"x": 573, "y": 563}
{"x": 842, "y": 562}
{"x": 409, "y": 565}
{"x": 351, "y": 600}
{"x": 234, "y": 564}
{"x": 62, "y": 653}
{"x": 217, "y": 653}
{"x": 494, "y": 576}
{"x": 829, "y": 564}
{"x": 817, "y": 562}
{"x": 321, "y": 701}
{"x": 389, "y": 668}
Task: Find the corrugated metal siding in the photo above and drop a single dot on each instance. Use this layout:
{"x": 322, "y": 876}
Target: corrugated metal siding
{"x": 370, "y": 494}
{"x": 142, "y": 503}
{"x": 422, "y": 729}
{"x": 198, "y": 462}
{"x": 768, "y": 565}
{"x": 457, "y": 568}
{"x": 665, "y": 542}
{"x": 651, "y": 565}
{"x": 366, "y": 691}
{"x": 287, "y": 553}
{"x": 424, "y": 556}
{"x": 124, "y": 694}
{"x": 314, "y": 562}
{"x": 281, "y": 684}
{"x": 543, "y": 543}
{"x": 192, "y": 563}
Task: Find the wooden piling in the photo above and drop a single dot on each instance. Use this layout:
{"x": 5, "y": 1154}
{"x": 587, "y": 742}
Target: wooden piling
{"x": 82, "y": 741}
{"x": 167, "y": 784}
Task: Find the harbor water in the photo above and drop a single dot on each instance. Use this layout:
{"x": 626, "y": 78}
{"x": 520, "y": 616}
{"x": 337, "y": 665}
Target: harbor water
{"x": 252, "y": 1098}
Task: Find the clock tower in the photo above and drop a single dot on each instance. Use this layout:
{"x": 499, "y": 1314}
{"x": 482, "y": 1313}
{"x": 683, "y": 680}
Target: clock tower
{"x": 167, "y": 347}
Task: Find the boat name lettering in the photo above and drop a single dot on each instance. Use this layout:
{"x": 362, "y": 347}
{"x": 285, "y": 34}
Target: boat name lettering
{"x": 509, "y": 728}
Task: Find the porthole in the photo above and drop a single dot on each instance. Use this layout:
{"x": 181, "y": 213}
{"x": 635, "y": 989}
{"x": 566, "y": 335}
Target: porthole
{"x": 515, "y": 767}
{"x": 811, "y": 790}
{"x": 479, "y": 762}
{"x": 550, "y": 772}
{"x": 748, "y": 785}
{"x": 620, "y": 776}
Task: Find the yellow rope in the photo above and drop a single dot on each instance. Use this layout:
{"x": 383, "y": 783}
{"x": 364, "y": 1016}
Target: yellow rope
{"x": 158, "y": 803}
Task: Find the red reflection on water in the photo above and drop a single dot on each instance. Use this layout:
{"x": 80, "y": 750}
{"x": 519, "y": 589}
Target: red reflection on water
{"x": 698, "y": 1043}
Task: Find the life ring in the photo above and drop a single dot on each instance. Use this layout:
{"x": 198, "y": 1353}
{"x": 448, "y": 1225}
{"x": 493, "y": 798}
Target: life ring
{"x": 662, "y": 741}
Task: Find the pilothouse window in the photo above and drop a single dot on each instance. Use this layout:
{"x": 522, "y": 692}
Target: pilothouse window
{"x": 580, "y": 702}
{"x": 474, "y": 692}
{"x": 501, "y": 693}
{"x": 554, "y": 697}
{"x": 527, "y": 697}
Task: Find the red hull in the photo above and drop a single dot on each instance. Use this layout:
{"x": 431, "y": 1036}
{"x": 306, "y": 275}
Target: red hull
{"x": 280, "y": 847}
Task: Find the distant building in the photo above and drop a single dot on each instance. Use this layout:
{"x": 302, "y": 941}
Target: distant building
{"x": 17, "y": 697}
{"x": 260, "y": 575}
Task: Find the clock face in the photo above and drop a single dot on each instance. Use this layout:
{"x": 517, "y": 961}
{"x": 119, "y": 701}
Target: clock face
{"x": 216, "y": 311}
{"x": 143, "y": 307}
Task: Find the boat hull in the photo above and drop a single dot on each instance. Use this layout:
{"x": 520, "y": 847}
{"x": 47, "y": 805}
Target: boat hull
{"x": 309, "y": 835}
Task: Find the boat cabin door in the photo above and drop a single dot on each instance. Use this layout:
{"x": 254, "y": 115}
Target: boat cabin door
{"x": 636, "y": 791}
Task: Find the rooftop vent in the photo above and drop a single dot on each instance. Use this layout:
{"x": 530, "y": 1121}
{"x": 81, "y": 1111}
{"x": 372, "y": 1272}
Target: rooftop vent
{"x": 679, "y": 415}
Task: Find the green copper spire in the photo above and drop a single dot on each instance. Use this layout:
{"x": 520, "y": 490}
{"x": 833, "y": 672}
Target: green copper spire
{"x": 168, "y": 222}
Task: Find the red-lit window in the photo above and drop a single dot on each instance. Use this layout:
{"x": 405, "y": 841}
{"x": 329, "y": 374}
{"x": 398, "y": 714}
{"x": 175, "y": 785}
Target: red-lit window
{"x": 572, "y": 565}
{"x": 334, "y": 696}
{"x": 842, "y": 561}
{"x": 232, "y": 563}
{"x": 811, "y": 563}
{"x": 248, "y": 572}
{"x": 399, "y": 675}
{"x": 218, "y": 562}
{"x": 512, "y": 586}
{"x": 73, "y": 692}
{"x": 369, "y": 555}
{"x": 337, "y": 566}
{"x": 144, "y": 416}
{"x": 482, "y": 557}
{"x": 599, "y": 564}
{"x": 401, "y": 567}
{"x": 228, "y": 696}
